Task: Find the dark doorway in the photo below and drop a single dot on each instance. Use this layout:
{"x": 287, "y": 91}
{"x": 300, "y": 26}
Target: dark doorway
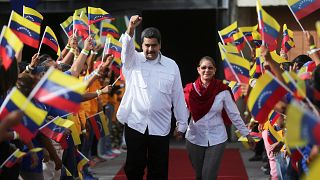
{"x": 187, "y": 35}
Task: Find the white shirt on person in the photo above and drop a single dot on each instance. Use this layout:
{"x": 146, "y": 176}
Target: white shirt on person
{"x": 210, "y": 129}
{"x": 152, "y": 87}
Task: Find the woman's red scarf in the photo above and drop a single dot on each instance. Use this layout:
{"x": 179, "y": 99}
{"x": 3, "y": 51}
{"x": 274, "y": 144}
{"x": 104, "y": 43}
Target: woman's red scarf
{"x": 199, "y": 99}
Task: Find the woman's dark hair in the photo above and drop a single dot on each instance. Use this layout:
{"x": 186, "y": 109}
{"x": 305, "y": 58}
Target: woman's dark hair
{"x": 8, "y": 78}
{"x": 44, "y": 57}
{"x": 151, "y": 32}
{"x": 207, "y": 58}
{"x": 301, "y": 60}
{"x": 25, "y": 83}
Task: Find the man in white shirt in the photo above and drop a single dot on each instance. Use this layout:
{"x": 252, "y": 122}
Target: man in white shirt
{"x": 153, "y": 85}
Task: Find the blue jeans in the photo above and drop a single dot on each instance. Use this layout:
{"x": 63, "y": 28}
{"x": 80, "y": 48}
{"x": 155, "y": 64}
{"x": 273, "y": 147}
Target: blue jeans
{"x": 282, "y": 166}
{"x": 104, "y": 144}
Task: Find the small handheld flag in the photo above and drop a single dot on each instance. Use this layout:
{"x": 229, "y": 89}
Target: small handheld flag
{"x": 97, "y": 14}
{"x": 27, "y": 31}
{"x": 32, "y": 15}
{"x": 10, "y": 44}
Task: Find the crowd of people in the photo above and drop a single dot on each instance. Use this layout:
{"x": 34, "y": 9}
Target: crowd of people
{"x": 141, "y": 104}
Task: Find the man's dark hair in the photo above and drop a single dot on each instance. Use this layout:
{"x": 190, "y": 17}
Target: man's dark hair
{"x": 151, "y": 32}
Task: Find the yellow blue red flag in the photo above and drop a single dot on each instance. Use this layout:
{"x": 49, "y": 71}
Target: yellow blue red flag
{"x": 50, "y": 39}
{"x": 247, "y": 31}
{"x": 303, "y": 127}
{"x": 236, "y": 68}
{"x": 32, "y": 15}
{"x": 13, "y": 158}
{"x": 67, "y": 26}
{"x": 269, "y": 28}
{"x": 239, "y": 40}
{"x": 27, "y": 31}
{"x": 10, "y": 44}
{"x": 99, "y": 124}
{"x": 287, "y": 40}
{"x": 107, "y": 28}
{"x": 263, "y": 97}
{"x": 55, "y": 130}
{"x": 302, "y": 8}
{"x": 228, "y": 32}
{"x": 60, "y": 91}
{"x": 97, "y": 14}
{"x": 33, "y": 116}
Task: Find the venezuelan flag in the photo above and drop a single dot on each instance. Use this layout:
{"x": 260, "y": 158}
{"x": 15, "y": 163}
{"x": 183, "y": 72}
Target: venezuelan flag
{"x": 236, "y": 90}
{"x": 228, "y": 32}
{"x": 295, "y": 84}
{"x": 235, "y": 65}
{"x": 27, "y": 31}
{"x": 107, "y": 28}
{"x": 302, "y": 8}
{"x": 55, "y": 130}
{"x": 287, "y": 40}
{"x": 79, "y": 23}
{"x": 14, "y": 157}
{"x": 80, "y": 11}
{"x": 32, "y": 15}
{"x": 303, "y": 126}
{"x": 268, "y": 26}
{"x": 97, "y": 14}
{"x": 10, "y": 44}
{"x": 50, "y": 39}
{"x": 259, "y": 68}
{"x": 67, "y": 26}
{"x": 113, "y": 46}
{"x": 239, "y": 40}
{"x": 33, "y": 116}
{"x": 99, "y": 125}
{"x": 247, "y": 31}
{"x": 256, "y": 38}
{"x": 273, "y": 117}
{"x": 263, "y": 97}
{"x": 93, "y": 28}
{"x": 60, "y": 91}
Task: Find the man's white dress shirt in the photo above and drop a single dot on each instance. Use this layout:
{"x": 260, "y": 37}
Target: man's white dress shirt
{"x": 210, "y": 129}
{"x": 152, "y": 87}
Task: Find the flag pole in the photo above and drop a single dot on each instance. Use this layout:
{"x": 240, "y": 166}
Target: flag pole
{"x": 116, "y": 81}
{"x": 221, "y": 38}
{"x": 9, "y": 23}
{"x": 42, "y": 40}
{"x": 8, "y": 158}
{"x": 82, "y": 155}
{"x": 295, "y": 17}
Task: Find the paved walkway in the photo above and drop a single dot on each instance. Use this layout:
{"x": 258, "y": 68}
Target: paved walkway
{"x": 107, "y": 170}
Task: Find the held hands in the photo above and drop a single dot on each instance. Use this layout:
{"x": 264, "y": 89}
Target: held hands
{"x": 106, "y": 89}
{"x": 178, "y": 134}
